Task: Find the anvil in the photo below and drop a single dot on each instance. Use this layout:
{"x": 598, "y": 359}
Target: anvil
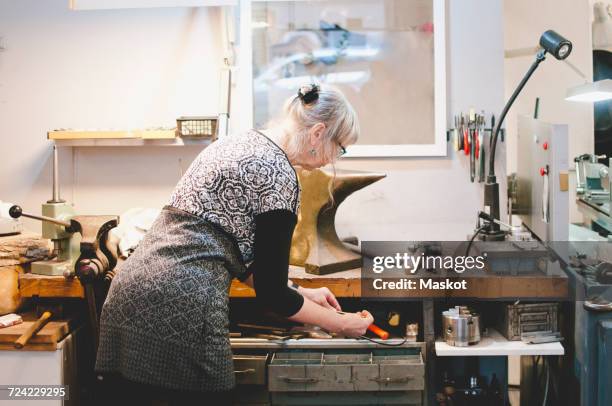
{"x": 315, "y": 244}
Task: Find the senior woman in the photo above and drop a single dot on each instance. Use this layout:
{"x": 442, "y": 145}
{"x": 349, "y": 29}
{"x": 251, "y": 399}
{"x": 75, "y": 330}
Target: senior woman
{"x": 164, "y": 325}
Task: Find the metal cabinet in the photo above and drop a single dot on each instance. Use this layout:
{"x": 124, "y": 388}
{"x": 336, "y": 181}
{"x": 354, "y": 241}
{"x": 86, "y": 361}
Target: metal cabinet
{"x": 302, "y": 378}
{"x": 250, "y": 369}
{"x": 604, "y": 354}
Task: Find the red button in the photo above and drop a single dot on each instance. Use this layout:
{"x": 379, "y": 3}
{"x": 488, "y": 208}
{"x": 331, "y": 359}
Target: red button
{"x": 543, "y": 171}
{"x": 545, "y": 146}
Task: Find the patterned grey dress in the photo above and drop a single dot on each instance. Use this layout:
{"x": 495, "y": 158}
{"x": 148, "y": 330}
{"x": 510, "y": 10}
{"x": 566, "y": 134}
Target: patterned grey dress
{"x": 165, "y": 321}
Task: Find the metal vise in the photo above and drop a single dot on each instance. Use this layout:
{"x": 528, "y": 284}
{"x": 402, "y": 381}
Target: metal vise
{"x": 97, "y": 255}
{"x": 96, "y": 263}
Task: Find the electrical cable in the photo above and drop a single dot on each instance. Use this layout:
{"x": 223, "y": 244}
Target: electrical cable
{"x": 547, "y": 367}
{"x": 478, "y": 231}
{"x": 383, "y": 343}
{"x": 534, "y": 377}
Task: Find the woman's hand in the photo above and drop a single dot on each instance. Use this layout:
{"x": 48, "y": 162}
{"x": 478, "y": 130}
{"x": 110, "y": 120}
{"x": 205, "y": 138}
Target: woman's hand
{"x": 321, "y": 296}
{"x": 355, "y": 324}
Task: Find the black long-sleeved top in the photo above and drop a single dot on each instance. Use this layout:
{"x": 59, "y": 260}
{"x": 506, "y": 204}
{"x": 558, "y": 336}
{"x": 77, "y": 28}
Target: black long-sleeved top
{"x": 273, "y": 231}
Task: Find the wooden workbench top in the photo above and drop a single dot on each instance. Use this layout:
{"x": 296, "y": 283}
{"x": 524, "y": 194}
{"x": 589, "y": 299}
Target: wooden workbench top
{"x": 342, "y": 284}
{"x": 31, "y": 285}
{"x": 45, "y": 340}
{"x": 346, "y": 284}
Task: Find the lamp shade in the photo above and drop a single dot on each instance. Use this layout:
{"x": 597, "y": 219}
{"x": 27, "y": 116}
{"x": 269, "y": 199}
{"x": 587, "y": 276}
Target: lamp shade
{"x": 555, "y": 44}
{"x": 591, "y": 92}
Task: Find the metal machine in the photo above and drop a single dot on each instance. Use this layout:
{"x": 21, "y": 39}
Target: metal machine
{"x": 593, "y": 192}
{"x": 591, "y": 284}
{"x": 57, "y": 226}
{"x": 542, "y": 198}
{"x": 82, "y": 247}
{"x": 590, "y": 272}
{"x": 591, "y": 176}
{"x": 539, "y": 196}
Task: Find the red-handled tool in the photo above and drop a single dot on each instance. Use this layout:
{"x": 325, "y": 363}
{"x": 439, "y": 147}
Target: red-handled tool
{"x": 378, "y": 331}
{"x": 373, "y": 328}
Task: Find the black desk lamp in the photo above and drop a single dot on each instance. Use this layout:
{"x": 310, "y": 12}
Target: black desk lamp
{"x": 560, "y": 48}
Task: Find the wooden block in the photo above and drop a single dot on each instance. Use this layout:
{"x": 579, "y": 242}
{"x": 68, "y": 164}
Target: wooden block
{"x": 10, "y": 299}
{"x": 49, "y": 286}
{"x": 46, "y": 339}
{"x": 142, "y": 134}
{"x": 157, "y": 134}
{"x": 23, "y": 248}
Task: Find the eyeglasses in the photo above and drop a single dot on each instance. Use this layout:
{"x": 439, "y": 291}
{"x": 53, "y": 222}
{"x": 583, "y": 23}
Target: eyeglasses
{"x": 341, "y": 150}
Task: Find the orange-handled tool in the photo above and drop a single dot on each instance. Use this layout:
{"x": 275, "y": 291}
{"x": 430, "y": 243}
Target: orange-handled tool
{"x": 378, "y": 331}
{"x": 373, "y": 328}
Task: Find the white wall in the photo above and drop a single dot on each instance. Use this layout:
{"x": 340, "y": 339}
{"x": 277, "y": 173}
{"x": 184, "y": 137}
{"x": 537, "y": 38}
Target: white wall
{"x": 524, "y": 22}
{"x": 100, "y": 69}
{"x": 141, "y": 68}
{"x": 432, "y": 198}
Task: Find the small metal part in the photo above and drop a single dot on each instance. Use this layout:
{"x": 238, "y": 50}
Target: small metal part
{"x": 56, "y": 192}
{"x": 598, "y": 305}
{"x": 16, "y": 212}
{"x": 412, "y": 331}
{"x": 542, "y": 337}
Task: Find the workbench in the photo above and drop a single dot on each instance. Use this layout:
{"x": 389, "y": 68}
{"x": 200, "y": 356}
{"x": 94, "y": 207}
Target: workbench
{"x": 347, "y": 284}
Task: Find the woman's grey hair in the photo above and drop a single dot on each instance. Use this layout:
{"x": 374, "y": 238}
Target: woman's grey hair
{"x": 330, "y": 108}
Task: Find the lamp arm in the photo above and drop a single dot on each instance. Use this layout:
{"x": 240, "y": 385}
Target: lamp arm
{"x": 539, "y": 58}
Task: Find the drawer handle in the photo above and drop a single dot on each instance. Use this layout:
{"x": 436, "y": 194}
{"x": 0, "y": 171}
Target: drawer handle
{"x": 388, "y": 379}
{"x": 289, "y": 379}
{"x": 245, "y": 371}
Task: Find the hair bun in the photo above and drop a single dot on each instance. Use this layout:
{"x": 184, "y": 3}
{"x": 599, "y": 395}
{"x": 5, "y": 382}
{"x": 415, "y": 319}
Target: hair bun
{"x": 308, "y": 93}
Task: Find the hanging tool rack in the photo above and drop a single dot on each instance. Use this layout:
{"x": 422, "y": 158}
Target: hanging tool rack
{"x": 471, "y": 138}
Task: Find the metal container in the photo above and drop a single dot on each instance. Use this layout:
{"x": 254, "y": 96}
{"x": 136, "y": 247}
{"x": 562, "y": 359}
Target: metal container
{"x": 197, "y": 127}
{"x": 519, "y": 319}
{"x": 461, "y": 327}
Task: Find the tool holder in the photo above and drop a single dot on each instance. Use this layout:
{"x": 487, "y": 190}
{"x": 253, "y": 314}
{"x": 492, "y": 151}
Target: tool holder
{"x": 487, "y": 130}
{"x": 470, "y": 135}
{"x": 470, "y": 124}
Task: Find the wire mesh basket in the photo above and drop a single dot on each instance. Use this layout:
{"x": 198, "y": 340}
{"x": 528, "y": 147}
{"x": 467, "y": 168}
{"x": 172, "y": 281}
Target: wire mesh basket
{"x": 197, "y": 127}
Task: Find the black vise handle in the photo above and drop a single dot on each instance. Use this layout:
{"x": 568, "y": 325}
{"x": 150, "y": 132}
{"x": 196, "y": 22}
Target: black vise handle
{"x": 16, "y": 212}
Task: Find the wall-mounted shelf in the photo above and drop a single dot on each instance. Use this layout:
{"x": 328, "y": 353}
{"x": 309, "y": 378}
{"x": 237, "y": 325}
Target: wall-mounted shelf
{"x": 121, "y": 4}
{"x": 137, "y": 138}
